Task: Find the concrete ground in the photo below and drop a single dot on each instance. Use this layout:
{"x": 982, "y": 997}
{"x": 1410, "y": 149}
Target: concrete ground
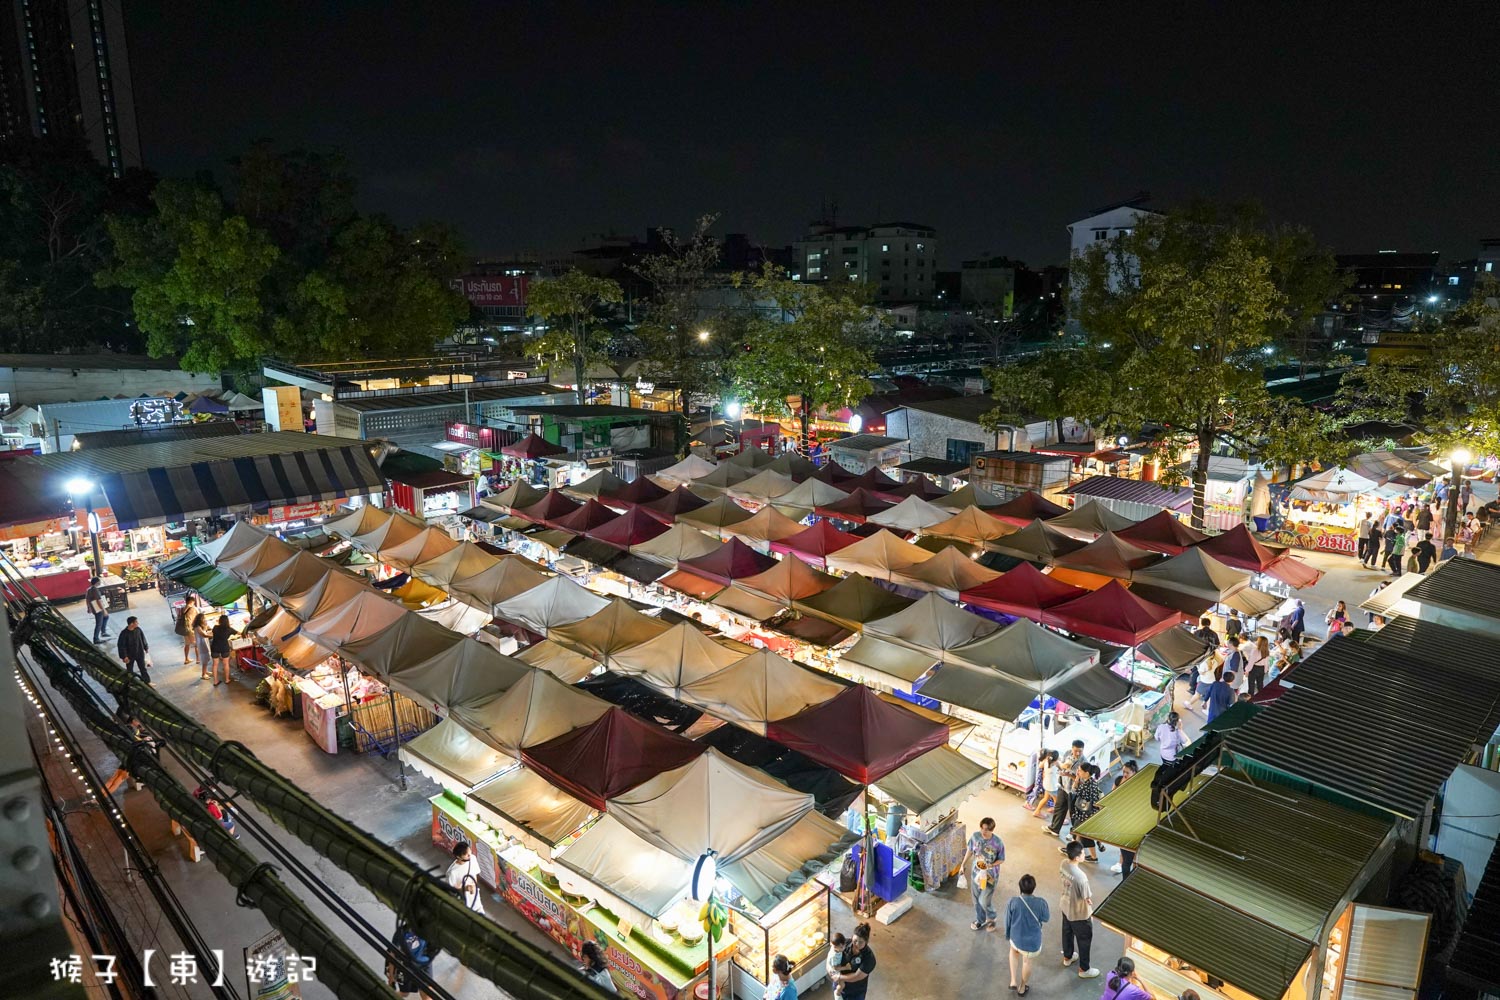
{"x": 928, "y": 952}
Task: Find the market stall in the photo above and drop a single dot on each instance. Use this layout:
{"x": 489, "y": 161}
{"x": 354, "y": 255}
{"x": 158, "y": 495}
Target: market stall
{"x": 1019, "y": 511}
{"x": 715, "y": 515}
{"x": 674, "y": 504}
{"x": 765, "y": 485}
{"x": 808, "y": 495}
{"x": 912, "y": 514}
{"x": 1023, "y": 592}
{"x": 1162, "y": 532}
{"x": 815, "y": 544}
{"x": 1090, "y": 521}
{"x": 558, "y": 601}
{"x": 761, "y": 530}
{"x": 852, "y": 602}
{"x": 880, "y": 556}
{"x": 857, "y": 508}
{"x": 1037, "y": 542}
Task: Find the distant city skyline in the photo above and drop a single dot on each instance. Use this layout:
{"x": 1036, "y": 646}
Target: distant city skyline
{"x": 534, "y": 127}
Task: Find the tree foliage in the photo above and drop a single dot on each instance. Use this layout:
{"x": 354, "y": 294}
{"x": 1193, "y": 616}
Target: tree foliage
{"x": 1179, "y": 317}
{"x": 808, "y": 348}
{"x": 572, "y": 307}
{"x": 289, "y": 267}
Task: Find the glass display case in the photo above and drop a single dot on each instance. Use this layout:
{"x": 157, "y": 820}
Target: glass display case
{"x": 797, "y": 927}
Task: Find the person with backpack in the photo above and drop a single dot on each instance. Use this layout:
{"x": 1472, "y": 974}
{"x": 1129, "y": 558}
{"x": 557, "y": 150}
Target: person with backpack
{"x": 1024, "y": 917}
{"x": 1124, "y": 984}
{"x": 93, "y": 602}
{"x": 409, "y": 952}
{"x": 185, "y": 627}
{"x": 463, "y": 875}
{"x": 218, "y": 810}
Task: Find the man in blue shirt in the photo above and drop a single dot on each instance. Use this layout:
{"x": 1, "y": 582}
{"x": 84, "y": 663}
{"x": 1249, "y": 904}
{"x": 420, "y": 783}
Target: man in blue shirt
{"x": 1220, "y": 696}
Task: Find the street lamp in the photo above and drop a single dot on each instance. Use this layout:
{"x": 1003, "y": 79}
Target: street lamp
{"x": 705, "y": 873}
{"x": 84, "y": 488}
{"x": 703, "y": 336}
{"x": 1458, "y": 461}
{"x": 856, "y": 422}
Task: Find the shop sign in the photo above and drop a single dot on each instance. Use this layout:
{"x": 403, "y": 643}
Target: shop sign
{"x": 473, "y": 435}
{"x": 497, "y": 290}
{"x": 446, "y": 832}
{"x": 1313, "y": 537}
{"x": 295, "y": 512}
{"x": 153, "y": 411}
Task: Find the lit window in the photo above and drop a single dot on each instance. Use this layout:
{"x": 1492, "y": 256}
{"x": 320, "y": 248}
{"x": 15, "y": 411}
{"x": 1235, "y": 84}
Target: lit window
{"x": 1452, "y": 279}
{"x": 1489, "y": 265}
{"x": 921, "y": 248}
{"x": 885, "y": 248}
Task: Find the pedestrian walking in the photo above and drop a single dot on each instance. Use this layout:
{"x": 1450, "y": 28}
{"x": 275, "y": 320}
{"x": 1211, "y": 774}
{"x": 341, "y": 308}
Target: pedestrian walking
{"x": 1221, "y": 695}
{"x": 861, "y": 961}
{"x": 1337, "y": 615}
{"x": 981, "y": 864}
{"x": 1395, "y": 548}
{"x": 1077, "y": 907}
{"x": 133, "y": 648}
{"x": 203, "y": 631}
{"x": 463, "y": 875}
{"x": 1363, "y": 530}
{"x": 1257, "y": 659}
{"x": 1124, "y": 984}
{"x": 1024, "y": 917}
{"x": 1372, "y": 550}
{"x": 94, "y": 604}
{"x": 1051, "y": 781}
{"x": 1425, "y": 552}
{"x": 1170, "y": 739}
{"x": 1086, "y": 795}
{"x": 219, "y": 644}
{"x": 1298, "y": 621}
{"x": 1068, "y": 773}
{"x": 1129, "y": 769}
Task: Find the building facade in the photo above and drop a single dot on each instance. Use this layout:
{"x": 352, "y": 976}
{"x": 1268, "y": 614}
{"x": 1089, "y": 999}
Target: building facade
{"x": 417, "y": 419}
{"x": 990, "y": 283}
{"x": 33, "y": 379}
{"x": 65, "y": 75}
{"x": 898, "y": 258}
{"x": 951, "y": 429}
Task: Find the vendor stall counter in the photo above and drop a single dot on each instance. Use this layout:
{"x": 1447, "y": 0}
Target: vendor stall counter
{"x": 797, "y": 927}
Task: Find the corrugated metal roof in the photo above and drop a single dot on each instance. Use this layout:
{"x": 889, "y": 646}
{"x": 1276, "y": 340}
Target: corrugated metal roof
{"x": 477, "y": 392}
{"x": 1479, "y": 942}
{"x": 1316, "y": 738}
{"x": 1441, "y": 645}
{"x": 865, "y": 442}
{"x": 1133, "y": 490}
{"x": 1462, "y": 584}
{"x": 156, "y": 435}
{"x": 1205, "y": 933}
{"x": 177, "y": 454}
{"x": 932, "y": 467}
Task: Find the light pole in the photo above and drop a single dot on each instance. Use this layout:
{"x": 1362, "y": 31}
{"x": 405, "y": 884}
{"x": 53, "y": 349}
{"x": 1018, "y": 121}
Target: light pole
{"x": 84, "y": 488}
{"x": 732, "y": 411}
{"x": 705, "y": 872}
{"x": 1457, "y": 461}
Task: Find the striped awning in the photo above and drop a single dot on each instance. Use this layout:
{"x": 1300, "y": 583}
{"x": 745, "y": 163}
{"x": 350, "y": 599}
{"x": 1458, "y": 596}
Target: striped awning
{"x": 237, "y": 485}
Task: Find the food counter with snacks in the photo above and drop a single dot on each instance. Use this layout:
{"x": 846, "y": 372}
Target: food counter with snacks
{"x": 797, "y": 927}
{"x": 324, "y": 703}
{"x": 665, "y": 959}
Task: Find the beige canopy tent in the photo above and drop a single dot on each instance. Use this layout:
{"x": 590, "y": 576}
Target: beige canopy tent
{"x": 598, "y": 486}
{"x": 968, "y": 496}
{"x": 750, "y": 458}
{"x": 558, "y": 601}
{"x": 429, "y": 543}
{"x": 679, "y": 542}
{"x": 911, "y": 514}
{"x": 268, "y": 555}
{"x": 559, "y": 661}
{"x": 361, "y": 521}
{"x": 336, "y": 589}
{"x": 932, "y": 624}
{"x": 535, "y": 709}
{"x": 687, "y": 470}
{"x": 606, "y": 633}
{"x": 393, "y": 531}
{"x": 296, "y": 576}
{"x": 934, "y": 783}
{"x": 530, "y": 808}
{"x": 462, "y": 618}
{"x": 1196, "y": 573}
{"x": 450, "y": 755}
{"x": 360, "y": 615}
{"x": 468, "y": 673}
{"x": 882, "y": 663}
{"x": 790, "y": 580}
{"x": 1038, "y": 542}
{"x": 764, "y": 485}
{"x": 1089, "y": 521}
{"x": 463, "y": 560}
{"x": 240, "y": 537}
{"x": 677, "y": 657}
{"x": 725, "y": 476}
{"x": 759, "y": 688}
{"x": 506, "y": 577}
{"x": 881, "y": 556}
{"x": 715, "y": 515}
{"x": 949, "y": 572}
{"x": 999, "y": 675}
{"x": 792, "y": 464}
{"x": 299, "y": 651}
{"x": 765, "y": 526}
{"x": 518, "y": 494}
{"x": 746, "y": 603}
{"x": 409, "y": 640}
{"x": 972, "y": 525}
{"x": 808, "y": 494}
{"x": 852, "y": 602}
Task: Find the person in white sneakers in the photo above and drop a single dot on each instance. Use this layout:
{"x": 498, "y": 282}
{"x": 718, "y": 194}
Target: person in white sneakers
{"x": 1077, "y": 905}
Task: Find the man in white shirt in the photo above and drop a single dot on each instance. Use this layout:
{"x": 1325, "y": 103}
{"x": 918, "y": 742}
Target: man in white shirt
{"x": 1364, "y": 537}
{"x": 463, "y": 875}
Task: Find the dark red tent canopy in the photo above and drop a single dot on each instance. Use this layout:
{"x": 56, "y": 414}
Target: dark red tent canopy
{"x": 858, "y": 505}
{"x": 731, "y": 561}
{"x": 631, "y": 528}
{"x": 641, "y": 490}
{"x": 873, "y": 479}
{"x": 609, "y": 756}
{"x": 918, "y": 487}
{"x": 585, "y": 519}
{"x": 1242, "y": 550}
{"x": 549, "y": 508}
{"x": 1161, "y": 532}
{"x": 815, "y": 543}
{"x": 1029, "y": 506}
{"x": 859, "y": 735}
{"x": 1113, "y": 614}
{"x": 532, "y": 446}
{"x": 1024, "y": 592}
{"x": 1107, "y": 555}
{"x": 667, "y": 508}
{"x": 834, "y": 474}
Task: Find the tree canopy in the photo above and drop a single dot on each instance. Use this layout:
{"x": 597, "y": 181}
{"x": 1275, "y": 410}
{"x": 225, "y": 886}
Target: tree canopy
{"x": 807, "y": 348}
{"x": 1179, "y": 317}
{"x": 572, "y": 307}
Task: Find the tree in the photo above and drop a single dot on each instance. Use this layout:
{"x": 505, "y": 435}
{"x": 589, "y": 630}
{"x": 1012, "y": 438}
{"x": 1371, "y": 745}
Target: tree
{"x": 1180, "y": 316}
{"x": 571, "y": 307}
{"x": 811, "y": 344}
{"x": 682, "y": 341}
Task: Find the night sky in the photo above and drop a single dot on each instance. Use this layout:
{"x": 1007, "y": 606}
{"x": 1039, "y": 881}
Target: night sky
{"x": 533, "y": 126}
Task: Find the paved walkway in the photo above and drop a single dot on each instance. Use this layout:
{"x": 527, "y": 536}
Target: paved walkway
{"x": 929, "y": 952}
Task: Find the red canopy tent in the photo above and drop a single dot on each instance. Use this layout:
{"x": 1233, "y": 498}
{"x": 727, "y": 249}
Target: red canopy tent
{"x": 1113, "y": 614}
{"x": 873, "y": 480}
{"x": 1242, "y": 550}
{"x": 1029, "y": 506}
{"x": 857, "y": 506}
{"x": 641, "y": 490}
{"x": 1161, "y": 532}
{"x": 532, "y": 446}
{"x": 609, "y": 756}
{"x": 679, "y": 501}
{"x": 1024, "y": 592}
{"x": 834, "y": 474}
{"x": 731, "y": 561}
{"x": 859, "y": 735}
{"x": 815, "y": 543}
{"x": 631, "y": 528}
{"x": 918, "y": 487}
{"x": 586, "y": 518}
{"x": 549, "y": 508}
